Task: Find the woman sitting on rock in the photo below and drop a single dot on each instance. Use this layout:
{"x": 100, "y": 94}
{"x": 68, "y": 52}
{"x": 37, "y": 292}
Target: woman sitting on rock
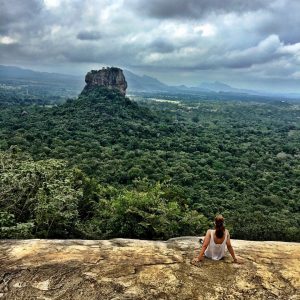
{"x": 215, "y": 242}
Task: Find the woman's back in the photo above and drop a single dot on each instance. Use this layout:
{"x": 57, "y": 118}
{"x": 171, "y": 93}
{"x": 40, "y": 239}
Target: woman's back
{"x": 216, "y": 241}
{"x": 217, "y": 246}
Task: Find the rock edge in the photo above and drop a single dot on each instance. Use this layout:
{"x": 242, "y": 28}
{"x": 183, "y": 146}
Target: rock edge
{"x": 138, "y": 269}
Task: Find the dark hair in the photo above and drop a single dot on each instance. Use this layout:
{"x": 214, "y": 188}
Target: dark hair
{"x": 219, "y": 226}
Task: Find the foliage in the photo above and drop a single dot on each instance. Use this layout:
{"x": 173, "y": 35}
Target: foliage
{"x": 237, "y": 158}
{"x": 47, "y": 199}
{"x": 144, "y": 213}
{"x": 37, "y": 198}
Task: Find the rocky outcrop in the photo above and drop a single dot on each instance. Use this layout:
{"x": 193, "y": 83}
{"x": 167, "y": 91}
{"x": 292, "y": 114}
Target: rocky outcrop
{"x": 136, "y": 269}
{"x": 111, "y": 78}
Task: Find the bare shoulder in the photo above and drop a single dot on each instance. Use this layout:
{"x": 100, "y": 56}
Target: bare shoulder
{"x": 208, "y": 232}
{"x": 228, "y": 242}
{"x": 207, "y": 238}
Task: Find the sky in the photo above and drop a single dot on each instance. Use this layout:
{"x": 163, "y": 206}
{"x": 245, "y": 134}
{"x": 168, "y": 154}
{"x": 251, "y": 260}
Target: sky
{"x": 247, "y": 44}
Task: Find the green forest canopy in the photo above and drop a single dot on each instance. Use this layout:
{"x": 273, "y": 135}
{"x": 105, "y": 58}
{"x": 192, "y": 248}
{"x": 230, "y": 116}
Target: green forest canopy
{"x": 103, "y": 166}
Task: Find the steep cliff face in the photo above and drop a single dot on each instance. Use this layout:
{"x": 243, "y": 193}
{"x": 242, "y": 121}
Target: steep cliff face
{"x": 111, "y": 78}
{"x": 136, "y": 269}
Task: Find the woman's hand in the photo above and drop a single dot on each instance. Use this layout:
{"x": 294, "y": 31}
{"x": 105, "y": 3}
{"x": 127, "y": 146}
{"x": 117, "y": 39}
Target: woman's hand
{"x": 237, "y": 261}
{"x": 197, "y": 259}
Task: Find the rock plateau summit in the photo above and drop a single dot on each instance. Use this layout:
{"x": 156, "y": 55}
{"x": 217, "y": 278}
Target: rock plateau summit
{"x": 111, "y": 78}
{"x": 124, "y": 269}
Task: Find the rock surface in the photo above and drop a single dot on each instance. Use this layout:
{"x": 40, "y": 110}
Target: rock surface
{"x": 134, "y": 269}
{"x": 111, "y": 78}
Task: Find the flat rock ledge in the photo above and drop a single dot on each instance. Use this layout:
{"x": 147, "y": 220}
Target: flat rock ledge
{"x": 120, "y": 269}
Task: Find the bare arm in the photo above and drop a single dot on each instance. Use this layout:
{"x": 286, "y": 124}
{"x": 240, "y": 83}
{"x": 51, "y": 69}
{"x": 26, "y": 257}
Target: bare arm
{"x": 204, "y": 247}
{"x": 230, "y": 249}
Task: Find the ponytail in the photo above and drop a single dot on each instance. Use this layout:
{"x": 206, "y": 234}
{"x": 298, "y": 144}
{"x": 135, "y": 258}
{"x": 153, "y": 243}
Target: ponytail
{"x": 219, "y": 226}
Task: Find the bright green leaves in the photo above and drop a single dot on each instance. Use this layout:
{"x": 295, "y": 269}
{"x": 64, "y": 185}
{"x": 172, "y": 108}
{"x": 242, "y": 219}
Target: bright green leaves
{"x": 144, "y": 212}
{"x": 37, "y": 197}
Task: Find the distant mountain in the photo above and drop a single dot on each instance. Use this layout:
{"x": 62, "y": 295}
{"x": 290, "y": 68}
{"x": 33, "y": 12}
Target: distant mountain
{"x": 70, "y": 85}
{"x": 144, "y": 83}
{"x": 135, "y": 82}
{"x": 149, "y": 84}
{"x": 216, "y": 86}
{"x": 32, "y": 86}
{"x": 11, "y": 72}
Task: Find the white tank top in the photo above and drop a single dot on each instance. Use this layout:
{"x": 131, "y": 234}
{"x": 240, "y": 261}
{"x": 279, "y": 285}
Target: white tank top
{"x": 215, "y": 251}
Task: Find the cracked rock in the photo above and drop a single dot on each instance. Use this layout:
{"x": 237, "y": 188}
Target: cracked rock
{"x": 138, "y": 269}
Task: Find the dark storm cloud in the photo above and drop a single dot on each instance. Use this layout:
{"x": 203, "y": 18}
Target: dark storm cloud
{"x": 162, "y": 46}
{"x": 7, "y": 51}
{"x": 18, "y": 10}
{"x": 195, "y": 8}
{"x": 283, "y": 20}
{"x": 89, "y": 35}
{"x": 16, "y": 13}
{"x": 257, "y": 38}
{"x": 82, "y": 54}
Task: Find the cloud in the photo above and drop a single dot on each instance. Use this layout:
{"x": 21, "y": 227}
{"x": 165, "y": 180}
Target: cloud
{"x": 296, "y": 75}
{"x": 265, "y": 51}
{"x": 225, "y": 39}
{"x": 195, "y": 8}
{"x": 89, "y": 35}
{"x": 162, "y": 45}
{"x": 50, "y": 4}
{"x": 14, "y": 14}
{"x": 282, "y": 18}
{"x": 206, "y": 30}
{"x": 7, "y": 40}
